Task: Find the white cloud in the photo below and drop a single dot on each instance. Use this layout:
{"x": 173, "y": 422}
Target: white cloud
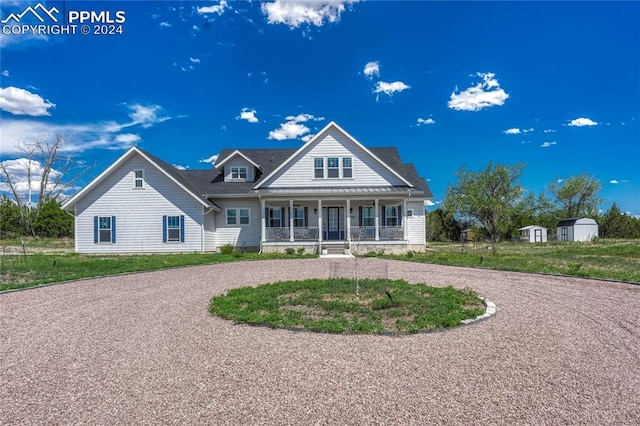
{"x": 5, "y": 73}
{"x": 216, "y": 8}
{"x": 307, "y": 138}
{"x": 613, "y": 181}
{"x": 421, "y": 121}
{"x": 194, "y": 60}
{"x": 581, "y": 122}
{"x": 548, "y": 144}
{"x": 292, "y": 129}
{"x": 18, "y": 171}
{"x": 165, "y": 24}
{"x": 530, "y": 129}
{"x": 390, "y": 88}
{"x": 179, "y": 167}
{"x": 512, "y": 131}
{"x": 128, "y": 138}
{"x": 549, "y": 131}
{"x": 211, "y": 160}
{"x": 22, "y": 102}
{"x": 248, "y": 114}
{"x": 372, "y": 69}
{"x": 79, "y": 136}
{"x": 294, "y": 13}
{"x": 485, "y": 94}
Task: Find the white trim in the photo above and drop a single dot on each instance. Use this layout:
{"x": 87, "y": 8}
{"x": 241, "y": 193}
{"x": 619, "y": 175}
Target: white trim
{"x": 236, "y": 152}
{"x": 315, "y": 139}
{"x": 73, "y": 200}
{"x": 237, "y": 210}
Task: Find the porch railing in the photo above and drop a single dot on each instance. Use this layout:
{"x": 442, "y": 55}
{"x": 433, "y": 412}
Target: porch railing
{"x": 368, "y": 233}
{"x": 299, "y": 234}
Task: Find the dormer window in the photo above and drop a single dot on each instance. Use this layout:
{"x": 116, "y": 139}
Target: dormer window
{"x": 238, "y": 173}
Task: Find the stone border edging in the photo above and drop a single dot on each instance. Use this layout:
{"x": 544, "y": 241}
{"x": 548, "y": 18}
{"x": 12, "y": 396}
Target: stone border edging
{"x": 491, "y": 310}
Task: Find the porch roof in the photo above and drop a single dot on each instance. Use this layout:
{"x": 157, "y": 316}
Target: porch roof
{"x": 372, "y": 190}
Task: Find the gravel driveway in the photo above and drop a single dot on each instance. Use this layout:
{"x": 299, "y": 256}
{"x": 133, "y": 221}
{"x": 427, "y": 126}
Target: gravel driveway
{"x": 142, "y": 349}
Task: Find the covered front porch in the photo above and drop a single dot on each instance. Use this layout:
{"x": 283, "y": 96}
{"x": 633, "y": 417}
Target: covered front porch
{"x": 326, "y": 221}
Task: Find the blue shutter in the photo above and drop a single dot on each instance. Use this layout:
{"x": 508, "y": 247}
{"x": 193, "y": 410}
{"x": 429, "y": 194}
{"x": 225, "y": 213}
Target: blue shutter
{"x": 164, "y": 228}
{"x": 113, "y": 229}
{"x": 283, "y": 211}
{"x": 95, "y": 230}
{"x": 306, "y": 217}
{"x": 399, "y": 215}
{"x": 182, "y": 228}
{"x": 384, "y": 215}
{"x": 360, "y": 221}
{"x": 267, "y": 222}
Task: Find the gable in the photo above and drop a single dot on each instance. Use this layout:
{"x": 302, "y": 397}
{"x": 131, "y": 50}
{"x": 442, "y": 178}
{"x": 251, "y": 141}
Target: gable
{"x": 331, "y": 143}
{"x": 136, "y": 159}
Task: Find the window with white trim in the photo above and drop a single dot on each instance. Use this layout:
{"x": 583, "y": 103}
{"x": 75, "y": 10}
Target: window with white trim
{"x": 368, "y": 216}
{"x": 238, "y": 216}
{"x": 104, "y": 229}
{"x": 138, "y": 178}
{"x": 347, "y": 167}
{"x": 298, "y": 217}
{"x": 318, "y": 168}
{"x": 238, "y": 172}
{"x": 275, "y": 217}
{"x": 391, "y": 215}
{"x": 173, "y": 228}
{"x": 336, "y": 168}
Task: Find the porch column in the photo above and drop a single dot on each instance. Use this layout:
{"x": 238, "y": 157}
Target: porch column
{"x": 404, "y": 220}
{"x": 377, "y": 218}
{"x": 263, "y": 221}
{"x": 348, "y": 215}
{"x": 291, "y": 220}
{"x": 319, "y": 220}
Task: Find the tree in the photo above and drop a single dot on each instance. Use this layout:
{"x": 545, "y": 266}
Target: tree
{"x": 48, "y": 174}
{"x": 615, "y": 224}
{"x": 491, "y": 196}
{"x": 577, "y": 196}
{"x": 52, "y": 221}
{"x": 10, "y": 224}
{"x": 442, "y": 226}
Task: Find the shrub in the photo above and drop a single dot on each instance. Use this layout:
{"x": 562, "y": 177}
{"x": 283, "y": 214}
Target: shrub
{"x": 237, "y": 254}
{"x": 300, "y": 251}
{"x": 226, "y": 249}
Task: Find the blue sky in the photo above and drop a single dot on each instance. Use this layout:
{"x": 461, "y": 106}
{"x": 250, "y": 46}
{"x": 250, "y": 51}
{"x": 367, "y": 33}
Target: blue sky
{"x": 553, "y": 84}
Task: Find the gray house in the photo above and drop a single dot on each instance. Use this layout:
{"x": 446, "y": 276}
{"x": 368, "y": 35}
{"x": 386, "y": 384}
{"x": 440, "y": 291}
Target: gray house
{"x": 577, "y": 229}
{"x": 331, "y": 191}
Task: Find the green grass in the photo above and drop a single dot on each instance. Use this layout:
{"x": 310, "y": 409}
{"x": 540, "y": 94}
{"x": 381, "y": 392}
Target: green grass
{"x": 18, "y": 271}
{"x": 333, "y": 306}
{"x": 606, "y": 259}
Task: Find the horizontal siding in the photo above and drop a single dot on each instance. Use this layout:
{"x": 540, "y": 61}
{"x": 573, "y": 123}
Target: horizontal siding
{"x": 238, "y": 162}
{"x": 209, "y": 232}
{"x": 366, "y": 170}
{"x": 238, "y": 235}
{"x": 415, "y": 223}
{"x": 138, "y": 212}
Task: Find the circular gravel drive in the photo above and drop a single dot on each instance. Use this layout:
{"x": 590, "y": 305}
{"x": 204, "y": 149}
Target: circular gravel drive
{"x": 142, "y": 349}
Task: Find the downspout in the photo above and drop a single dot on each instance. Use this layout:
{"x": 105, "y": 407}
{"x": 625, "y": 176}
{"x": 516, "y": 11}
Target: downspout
{"x": 202, "y": 227}
{"x": 261, "y": 213}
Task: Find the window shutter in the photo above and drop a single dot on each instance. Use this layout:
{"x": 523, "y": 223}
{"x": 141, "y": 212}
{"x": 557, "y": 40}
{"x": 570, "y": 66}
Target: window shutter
{"x": 95, "y": 230}
{"x": 267, "y": 222}
{"x": 282, "y": 218}
{"x": 399, "y": 215}
{"x": 113, "y": 229}
{"x": 384, "y": 215}
{"x": 306, "y": 217}
{"x": 182, "y": 228}
{"x": 164, "y": 229}
{"x": 360, "y": 216}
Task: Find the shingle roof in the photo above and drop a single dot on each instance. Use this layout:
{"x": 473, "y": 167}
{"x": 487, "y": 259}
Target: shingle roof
{"x": 212, "y": 182}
